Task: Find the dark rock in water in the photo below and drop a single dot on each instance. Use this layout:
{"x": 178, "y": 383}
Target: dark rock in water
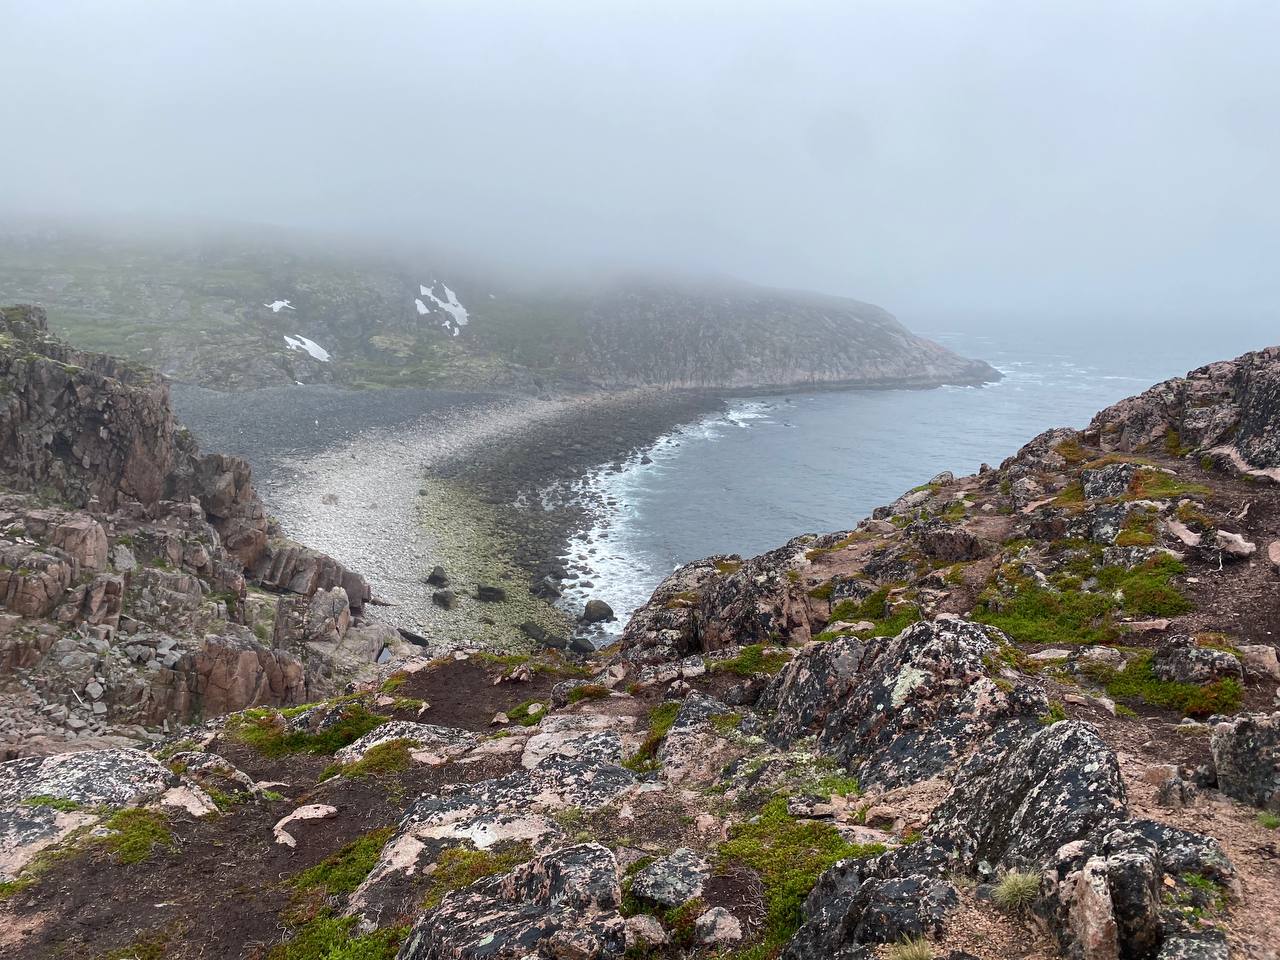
{"x": 564, "y": 904}
{"x": 597, "y": 611}
{"x": 445, "y": 598}
{"x": 1246, "y": 755}
{"x": 582, "y": 645}
{"x": 1181, "y": 660}
{"x": 905, "y": 707}
{"x": 487, "y": 593}
{"x": 438, "y": 578}
{"x": 546, "y": 589}
{"x": 646, "y": 459}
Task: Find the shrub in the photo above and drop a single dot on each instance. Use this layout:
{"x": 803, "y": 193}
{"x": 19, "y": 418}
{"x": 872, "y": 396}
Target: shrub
{"x": 1017, "y": 890}
{"x": 588, "y": 691}
{"x": 1270, "y": 821}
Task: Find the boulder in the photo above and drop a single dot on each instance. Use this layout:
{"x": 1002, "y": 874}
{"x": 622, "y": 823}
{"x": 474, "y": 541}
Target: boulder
{"x": 717, "y": 927}
{"x": 1110, "y": 481}
{"x": 563, "y": 904}
{"x": 437, "y": 577}
{"x": 903, "y": 708}
{"x": 113, "y": 778}
{"x": 445, "y": 599}
{"x": 428, "y": 742}
{"x": 487, "y": 593}
{"x": 1179, "y": 659}
{"x": 597, "y": 611}
{"x": 1246, "y": 756}
{"x": 673, "y": 880}
{"x": 1260, "y": 660}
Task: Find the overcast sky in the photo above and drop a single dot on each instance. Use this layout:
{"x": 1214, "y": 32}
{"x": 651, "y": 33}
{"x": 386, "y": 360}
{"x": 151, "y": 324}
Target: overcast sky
{"x": 946, "y": 159}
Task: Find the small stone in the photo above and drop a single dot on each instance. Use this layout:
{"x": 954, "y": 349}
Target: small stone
{"x": 717, "y": 925}
{"x": 445, "y": 599}
{"x": 1234, "y": 546}
{"x": 644, "y": 930}
{"x": 1260, "y": 660}
{"x": 438, "y": 578}
{"x": 487, "y": 593}
{"x": 499, "y": 720}
{"x": 94, "y": 689}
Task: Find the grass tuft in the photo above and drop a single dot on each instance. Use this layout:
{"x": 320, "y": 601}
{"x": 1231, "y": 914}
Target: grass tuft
{"x": 910, "y": 948}
{"x": 136, "y": 833}
{"x": 754, "y": 659}
{"x": 1016, "y": 891}
{"x": 266, "y": 734}
{"x": 342, "y": 872}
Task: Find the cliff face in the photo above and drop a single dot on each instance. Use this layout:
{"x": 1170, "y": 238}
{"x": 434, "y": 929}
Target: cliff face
{"x": 724, "y": 336}
{"x": 142, "y": 581}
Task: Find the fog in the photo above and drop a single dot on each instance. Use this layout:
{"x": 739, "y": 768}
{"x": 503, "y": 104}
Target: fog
{"x": 953, "y": 161}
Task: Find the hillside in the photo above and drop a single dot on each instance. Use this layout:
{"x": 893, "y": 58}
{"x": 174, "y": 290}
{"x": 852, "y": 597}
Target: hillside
{"x": 1026, "y": 713}
{"x": 240, "y": 314}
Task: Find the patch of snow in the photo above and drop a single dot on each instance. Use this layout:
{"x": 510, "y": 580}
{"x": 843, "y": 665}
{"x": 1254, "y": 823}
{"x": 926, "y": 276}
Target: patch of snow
{"x": 275, "y": 306}
{"x": 449, "y": 305}
{"x": 310, "y": 346}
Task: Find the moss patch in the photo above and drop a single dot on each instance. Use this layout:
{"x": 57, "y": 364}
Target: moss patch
{"x": 136, "y": 833}
{"x": 1137, "y": 681}
{"x": 267, "y": 735}
{"x": 342, "y": 872}
{"x": 661, "y": 719}
{"x": 789, "y": 855}
{"x": 462, "y": 866}
{"x": 328, "y": 937}
{"x": 754, "y": 659}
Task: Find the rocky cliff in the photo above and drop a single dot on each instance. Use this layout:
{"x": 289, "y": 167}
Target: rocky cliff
{"x": 1029, "y": 713}
{"x": 142, "y": 583}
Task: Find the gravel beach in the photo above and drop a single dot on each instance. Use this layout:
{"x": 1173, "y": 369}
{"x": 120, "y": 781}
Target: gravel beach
{"x": 396, "y": 482}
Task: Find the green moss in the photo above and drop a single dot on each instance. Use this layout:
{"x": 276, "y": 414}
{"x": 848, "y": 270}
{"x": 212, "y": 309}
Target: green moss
{"x": 1036, "y": 615}
{"x": 835, "y": 785}
{"x": 726, "y": 723}
{"x": 588, "y": 691}
{"x": 1056, "y": 713}
{"x": 789, "y": 855}
{"x": 342, "y": 872}
{"x": 523, "y": 714}
{"x": 391, "y": 756}
{"x": 1070, "y": 495}
{"x": 1150, "y": 484}
{"x": 1071, "y": 451}
{"x": 1173, "y": 444}
{"x": 661, "y": 719}
{"x": 462, "y": 866}
{"x": 823, "y": 591}
{"x": 728, "y": 567}
{"x": 329, "y": 937}
{"x": 1269, "y": 821}
{"x": 268, "y": 736}
{"x": 148, "y": 946}
{"x": 56, "y": 803}
{"x": 754, "y": 659}
{"x": 136, "y": 832}
{"x": 393, "y": 682}
{"x": 1137, "y": 681}
{"x": 1148, "y": 589}
{"x": 875, "y": 608}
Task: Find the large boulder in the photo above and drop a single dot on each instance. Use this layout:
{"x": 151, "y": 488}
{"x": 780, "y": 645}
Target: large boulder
{"x": 1018, "y": 806}
{"x": 902, "y": 709}
{"x": 563, "y": 904}
{"x": 1246, "y": 755}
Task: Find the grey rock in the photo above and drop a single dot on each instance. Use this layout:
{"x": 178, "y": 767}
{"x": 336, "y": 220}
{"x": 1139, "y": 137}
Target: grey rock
{"x": 672, "y": 880}
{"x": 1181, "y": 660}
{"x": 597, "y": 611}
{"x": 1246, "y": 756}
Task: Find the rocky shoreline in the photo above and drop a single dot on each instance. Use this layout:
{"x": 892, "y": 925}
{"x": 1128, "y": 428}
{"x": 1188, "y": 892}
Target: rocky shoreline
{"x": 398, "y": 482}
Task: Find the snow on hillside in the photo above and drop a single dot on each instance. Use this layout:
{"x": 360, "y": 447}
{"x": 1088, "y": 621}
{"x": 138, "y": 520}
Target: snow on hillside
{"x": 310, "y": 346}
{"x": 458, "y": 315}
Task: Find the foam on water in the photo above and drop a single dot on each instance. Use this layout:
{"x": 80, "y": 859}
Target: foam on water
{"x": 772, "y": 468}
